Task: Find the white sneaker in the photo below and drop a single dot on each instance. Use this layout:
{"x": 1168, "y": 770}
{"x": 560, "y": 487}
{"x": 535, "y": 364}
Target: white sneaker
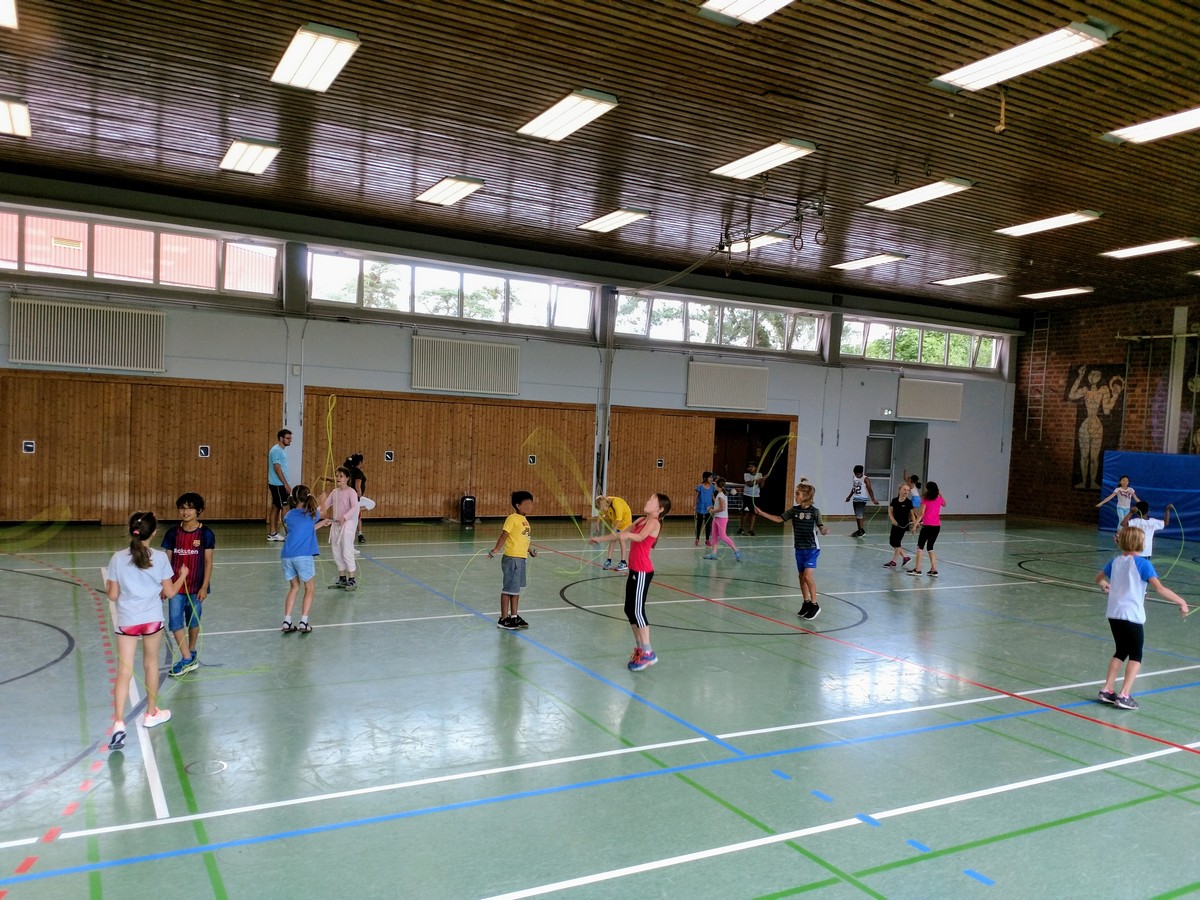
{"x": 157, "y": 719}
{"x": 276, "y": 537}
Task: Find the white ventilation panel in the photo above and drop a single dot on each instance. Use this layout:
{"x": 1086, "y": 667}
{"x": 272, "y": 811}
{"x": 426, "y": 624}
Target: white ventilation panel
{"x": 86, "y": 336}
{"x": 720, "y": 386}
{"x": 468, "y": 367}
{"x": 929, "y": 400}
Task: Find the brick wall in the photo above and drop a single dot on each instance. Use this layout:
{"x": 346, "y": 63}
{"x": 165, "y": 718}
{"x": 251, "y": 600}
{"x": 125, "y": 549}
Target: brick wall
{"x": 1042, "y": 477}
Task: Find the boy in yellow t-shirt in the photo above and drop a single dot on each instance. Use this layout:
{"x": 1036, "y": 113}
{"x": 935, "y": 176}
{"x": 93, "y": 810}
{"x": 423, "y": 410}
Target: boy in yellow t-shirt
{"x": 616, "y": 516}
{"x": 515, "y": 541}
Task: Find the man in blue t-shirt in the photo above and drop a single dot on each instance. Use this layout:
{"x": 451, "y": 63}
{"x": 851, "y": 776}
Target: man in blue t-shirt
{"x": 277, "y": 483}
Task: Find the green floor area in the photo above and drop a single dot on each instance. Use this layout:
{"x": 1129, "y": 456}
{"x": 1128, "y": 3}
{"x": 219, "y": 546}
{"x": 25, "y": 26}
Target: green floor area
{"x": 920, "y": 738}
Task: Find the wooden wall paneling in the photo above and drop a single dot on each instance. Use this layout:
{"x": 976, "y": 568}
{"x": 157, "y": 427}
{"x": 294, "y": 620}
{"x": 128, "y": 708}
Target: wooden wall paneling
{"x": 639, "y": 438}
{"x": 26, "y": 475}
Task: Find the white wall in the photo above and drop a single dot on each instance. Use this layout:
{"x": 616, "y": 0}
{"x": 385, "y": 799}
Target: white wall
{"x": 969, "y": 459}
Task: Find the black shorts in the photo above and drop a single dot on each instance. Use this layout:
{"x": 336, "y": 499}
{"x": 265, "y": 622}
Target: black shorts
{"x": 928, "y": 536}
{"x": 749, "y": 504}
{"x": 896, "y": 537}
{"x": 279, "y": 495}
{"x": 1129, "y": 637}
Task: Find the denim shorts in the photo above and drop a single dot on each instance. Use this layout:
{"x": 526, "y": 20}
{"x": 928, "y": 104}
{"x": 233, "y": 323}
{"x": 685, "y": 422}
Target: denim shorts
{"x": 806, "y": 558}
{"x": 299, "y": 566}
{"x": 184, "y": 611}
{"x": 513, "y": 569}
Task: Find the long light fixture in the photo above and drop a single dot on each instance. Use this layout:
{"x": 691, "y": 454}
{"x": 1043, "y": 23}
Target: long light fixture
{"x": 749, "y": 11}
{"x": 775, "y": 155}
{"x": 759, "y": 240}
{"x": 626, "y": 215}
{"x": 1063, "y": 292}
{"x": 252, "y": 157}
{"x": 315, "y": 56}
{"x": 14, "y": 117}
{"x": 867, "y": 261}
{"x": 1160, "y": 247}
{"x": 1050, "y": 48}
{"x": 970, "y": 279}
{"x": 1075, "y": 218}
{"x": 1157, "y": 128}
{"x": 1197, "y": 272}
{"x": 569, "y": 115}
{"x": 8, "y": 13}
{"x": 942, "y": 188}
{"x": 450, "y": 190}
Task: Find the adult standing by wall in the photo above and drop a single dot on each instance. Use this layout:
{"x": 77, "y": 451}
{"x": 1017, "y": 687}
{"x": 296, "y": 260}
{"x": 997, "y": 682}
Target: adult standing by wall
{"x": 278, "y": 485}
{"x": 358, "y": 481}
{"x": 753, "y": 480}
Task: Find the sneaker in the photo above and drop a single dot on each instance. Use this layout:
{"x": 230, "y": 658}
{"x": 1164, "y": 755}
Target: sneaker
{"x": 622, "y": 566}
{"x": 608, "y": 564}
{"x": 737, "y": 555}
{"x": 1124, "y": 701}
{"x": 803, "y": 613}
{"x": 932, "y": 572}
{"x": 890, "y": 565}
{"x": 117, "y": 741}
{"x": 183, "y": 666}
{"x": 351, "y": 585}
{"x": 751, "y": 533}
{"x": 634, "y": 659}
{"x": 518, "y": 622}
{"x": 914, "y": 571}
{"x": 506, "y": 623}
{"x": 708, "y": 543}
{"x": 1107, "y": 696}
{"x": 907, "y": 560}
{"x": 814, "y": 610}
{"x": 287, "y": 627}
{"x": 157, "y": 719}
{"x": 362, "y": 538}
{"x": 710, "y": 556}
{"x": 741, "y": 531}
{"x": 275, "y": 537}
{"x": 644, "y": 660}
{"x": 340, "y": 583}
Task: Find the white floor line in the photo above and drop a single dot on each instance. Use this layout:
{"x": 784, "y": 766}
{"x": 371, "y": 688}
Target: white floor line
{"x": 558, "y": 761}
{"x": 828, "y": 826}
{"x": 149, "y": 762}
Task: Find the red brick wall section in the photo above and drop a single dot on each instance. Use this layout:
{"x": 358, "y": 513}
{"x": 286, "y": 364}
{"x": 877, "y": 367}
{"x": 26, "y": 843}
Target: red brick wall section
{"x": 1040, "y": 478}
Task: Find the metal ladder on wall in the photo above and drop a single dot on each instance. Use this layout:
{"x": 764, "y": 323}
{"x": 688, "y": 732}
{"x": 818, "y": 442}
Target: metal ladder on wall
{"x": 1036, "y": 356}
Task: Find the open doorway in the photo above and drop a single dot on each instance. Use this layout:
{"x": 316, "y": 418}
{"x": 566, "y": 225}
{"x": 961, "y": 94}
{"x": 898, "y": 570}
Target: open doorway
{"x": 740, "y": 441}
{"x": 894, "y": 448}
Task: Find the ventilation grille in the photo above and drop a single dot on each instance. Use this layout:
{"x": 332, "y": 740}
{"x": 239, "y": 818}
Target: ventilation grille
{"x": 468, "y": 367}
{"x": 727, "y": 387}
{"x": 940, "y": 400}
{"x": 85, "y": 336}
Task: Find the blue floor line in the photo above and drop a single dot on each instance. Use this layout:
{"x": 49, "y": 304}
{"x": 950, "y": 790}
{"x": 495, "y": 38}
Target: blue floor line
{"x": 539, "y": 792}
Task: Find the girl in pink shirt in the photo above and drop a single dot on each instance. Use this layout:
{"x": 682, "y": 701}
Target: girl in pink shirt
{"x": 932, "y": 504}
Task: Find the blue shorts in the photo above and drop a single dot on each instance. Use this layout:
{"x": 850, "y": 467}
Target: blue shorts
{"x": 860, "y": 507}
{"x": 806, "y": 558}
{"x": 299, "y": 567}
{"x": 184, "y": 611}
{"x": 513, "y": 568}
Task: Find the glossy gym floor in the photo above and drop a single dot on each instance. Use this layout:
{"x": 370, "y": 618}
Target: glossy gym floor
{"x": 920, "y": 738}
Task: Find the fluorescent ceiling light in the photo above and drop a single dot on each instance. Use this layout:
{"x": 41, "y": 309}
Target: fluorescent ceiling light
{"x": 450, "y": 190}
{"x": 569, "y": 115}
{"x": 1160, "y": 247}
{"x": 1076, "y": 38}
{"x": 941, "y": 188}
{"x": 970, "y": 279}
{"x": 775, "y": 155}
{"x": 252, "y": 157}
{"x": 759, "y": 240}
{"x": 614, "y": 220}
{"x": 1157, "y": 128}
{"x": 1064, "y": 292}
{"x": 14, "y": 117}
{"x": 8, "y": 13}
{"x": 750, "y": 11}
{"x": 866, "y": 262}
{"x": 1083, "y": 215}
{"x": 315, "y": 56}
{"x": 1197, "y": 272}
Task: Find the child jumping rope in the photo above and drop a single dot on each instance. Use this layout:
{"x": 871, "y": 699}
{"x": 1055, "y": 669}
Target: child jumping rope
{"x": 136, "y": 579}
{"x": 806, "y": 524}
{"x": 300, "y": 547}
{"x": 720, "y": 522}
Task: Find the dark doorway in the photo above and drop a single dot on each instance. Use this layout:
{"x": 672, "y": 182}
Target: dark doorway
{"x": 740, "y": 441}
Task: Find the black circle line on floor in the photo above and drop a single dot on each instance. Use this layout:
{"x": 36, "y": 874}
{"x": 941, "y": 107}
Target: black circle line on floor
{"x": 806, "y": 625}
{"x": 67, "y": 652}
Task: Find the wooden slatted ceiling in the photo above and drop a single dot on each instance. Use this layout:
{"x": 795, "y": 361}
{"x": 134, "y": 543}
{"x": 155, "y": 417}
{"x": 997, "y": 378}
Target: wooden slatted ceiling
{"x": 149, "y": 95}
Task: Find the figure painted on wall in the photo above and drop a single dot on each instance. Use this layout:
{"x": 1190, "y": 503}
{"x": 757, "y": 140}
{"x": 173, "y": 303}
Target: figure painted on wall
{"x": 1099, "y": 398}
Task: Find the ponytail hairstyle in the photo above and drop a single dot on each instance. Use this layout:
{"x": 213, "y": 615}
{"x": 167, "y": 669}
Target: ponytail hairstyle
{"x": 720, "y": 483}
{"x": 142, "y": 526}
{"x": 807, "y": 490}
{"x": 664, "y": 505}
{"x": 302, "y": 496}
{"x": 931, "y": 490}
{"x": 353, "y": 461}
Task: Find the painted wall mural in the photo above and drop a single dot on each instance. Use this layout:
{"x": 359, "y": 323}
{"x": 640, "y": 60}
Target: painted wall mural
{"x": 1099, "y": 392}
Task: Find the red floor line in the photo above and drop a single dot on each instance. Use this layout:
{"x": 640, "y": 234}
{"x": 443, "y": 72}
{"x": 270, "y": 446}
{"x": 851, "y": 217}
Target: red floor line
{"x": 909, "y": 662}
{"x": 25, "y": 866}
